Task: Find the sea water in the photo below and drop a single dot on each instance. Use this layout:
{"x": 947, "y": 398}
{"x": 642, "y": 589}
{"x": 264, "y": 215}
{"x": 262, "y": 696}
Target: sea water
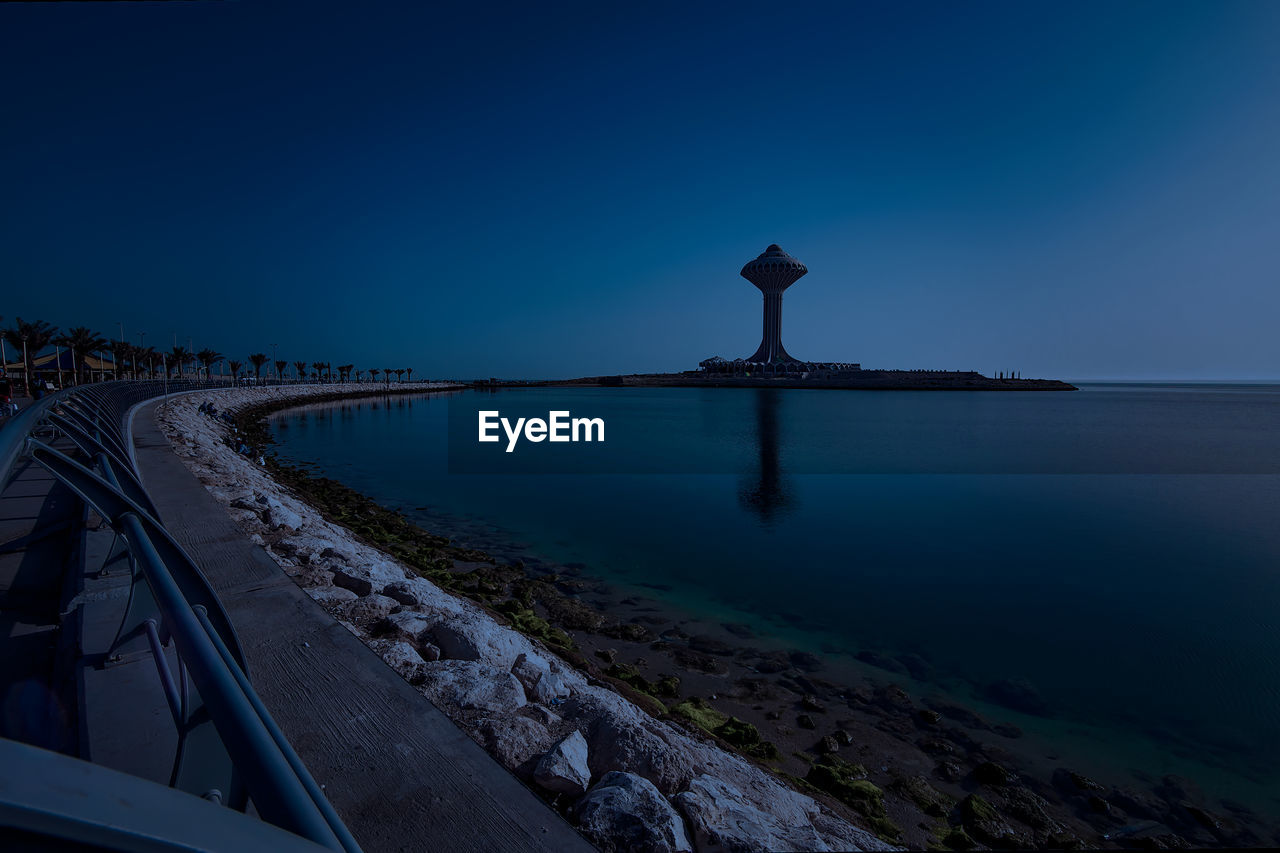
{"x": 1115, "y": 549}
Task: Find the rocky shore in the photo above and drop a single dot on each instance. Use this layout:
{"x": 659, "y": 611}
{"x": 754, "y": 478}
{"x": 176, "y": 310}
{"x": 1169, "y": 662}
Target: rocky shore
{"x": 628, "y": 779}
{"x": 658, "y": 730}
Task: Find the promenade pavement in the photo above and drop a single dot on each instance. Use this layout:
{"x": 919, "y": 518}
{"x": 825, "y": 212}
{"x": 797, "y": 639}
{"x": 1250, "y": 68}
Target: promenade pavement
{"x": 396, "y": 769}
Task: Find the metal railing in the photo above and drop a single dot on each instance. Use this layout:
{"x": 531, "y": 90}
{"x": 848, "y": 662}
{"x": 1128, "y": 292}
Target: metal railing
{"x": 229, "y": 748}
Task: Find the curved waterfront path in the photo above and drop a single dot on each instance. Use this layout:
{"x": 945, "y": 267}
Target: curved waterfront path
{"x": 397, "y": 770}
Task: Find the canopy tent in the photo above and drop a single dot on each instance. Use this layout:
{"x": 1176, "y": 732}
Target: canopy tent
{"x": 63, "y": 360}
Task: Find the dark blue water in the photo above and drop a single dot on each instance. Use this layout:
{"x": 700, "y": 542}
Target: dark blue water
{"x": 1141, "y": 607}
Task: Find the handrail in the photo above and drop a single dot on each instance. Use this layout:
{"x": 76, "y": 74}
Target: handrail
{"x": 94, "y": 418}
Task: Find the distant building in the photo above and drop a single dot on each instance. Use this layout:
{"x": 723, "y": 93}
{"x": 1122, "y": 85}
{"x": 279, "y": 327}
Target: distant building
{"x": 773, "y": 272}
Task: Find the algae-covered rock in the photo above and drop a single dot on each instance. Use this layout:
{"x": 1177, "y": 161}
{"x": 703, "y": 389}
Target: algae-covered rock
{"x": 984, "y": 822}
{"x": 701, "y": 714}
{"x": 747, "y": 738}
{"x": 848, "y": 784}
{"x": 929, "y": 799}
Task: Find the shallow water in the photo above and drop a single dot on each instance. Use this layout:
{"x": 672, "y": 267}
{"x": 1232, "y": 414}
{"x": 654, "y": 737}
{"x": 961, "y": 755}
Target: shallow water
{"x": 1115, "y": 548}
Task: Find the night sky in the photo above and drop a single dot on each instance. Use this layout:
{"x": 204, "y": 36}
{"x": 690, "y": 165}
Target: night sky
{"x": 1075, "y": 190}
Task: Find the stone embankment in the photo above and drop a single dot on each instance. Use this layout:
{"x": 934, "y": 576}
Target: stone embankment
{"x": 629, "y": 780}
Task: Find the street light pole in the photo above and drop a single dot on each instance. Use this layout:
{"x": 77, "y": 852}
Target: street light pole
{"x": 26, "y": 371}
{"x": 142, "y": 344}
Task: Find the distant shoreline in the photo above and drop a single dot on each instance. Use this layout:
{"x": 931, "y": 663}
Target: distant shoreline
{"x": 862, "y": 380}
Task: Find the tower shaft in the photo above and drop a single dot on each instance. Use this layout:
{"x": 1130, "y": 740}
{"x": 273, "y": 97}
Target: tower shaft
{"x": 771, "y": 348}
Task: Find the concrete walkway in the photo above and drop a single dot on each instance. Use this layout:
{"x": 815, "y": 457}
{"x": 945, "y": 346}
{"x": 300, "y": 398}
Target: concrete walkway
{"x": 397, "y": 770}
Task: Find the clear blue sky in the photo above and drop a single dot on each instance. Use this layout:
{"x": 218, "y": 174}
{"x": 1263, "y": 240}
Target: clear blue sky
{"x": 1084, "y": 189}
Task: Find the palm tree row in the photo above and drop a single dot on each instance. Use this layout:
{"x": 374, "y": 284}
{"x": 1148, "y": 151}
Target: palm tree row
{"x": 28, "y": 339}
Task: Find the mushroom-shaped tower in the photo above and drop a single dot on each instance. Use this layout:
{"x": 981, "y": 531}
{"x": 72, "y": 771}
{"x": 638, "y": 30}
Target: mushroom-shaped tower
{"x": 773, "y": 272}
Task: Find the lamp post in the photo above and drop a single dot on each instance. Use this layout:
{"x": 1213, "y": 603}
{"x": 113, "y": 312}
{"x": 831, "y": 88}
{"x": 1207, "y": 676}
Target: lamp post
{"x": 26, "y": 370}
{"x": 273, "y": 364}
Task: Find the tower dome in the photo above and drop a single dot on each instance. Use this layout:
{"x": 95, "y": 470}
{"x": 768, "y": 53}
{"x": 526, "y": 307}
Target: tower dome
{"x": 773, "y": 270}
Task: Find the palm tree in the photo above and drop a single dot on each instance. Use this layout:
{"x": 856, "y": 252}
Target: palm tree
{"x": 344, "y": 372}
{"x": 37, "y": 334}
{"x": 122, "y": 352}
{"x": 386, "y": 375}
{"x": 300, "y": 370}
{"x": 409, "y": 370}
{"x": 280, "y": 366}
{"x": 209, "y": 358}
{"x": 258, "y": 359}
{"x": 317, "y": 367}
{"x": 235, "y": 367}
{"x": 373, "y": 373}
{"x": 144, "y": 355}
{"x": 400, "y": 375}
{"x": 178, "y": 356}
{"x": 81, "y": 341}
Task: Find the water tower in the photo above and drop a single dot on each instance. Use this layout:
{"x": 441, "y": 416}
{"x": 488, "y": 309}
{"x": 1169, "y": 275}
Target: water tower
{"x": 773, "y": 272}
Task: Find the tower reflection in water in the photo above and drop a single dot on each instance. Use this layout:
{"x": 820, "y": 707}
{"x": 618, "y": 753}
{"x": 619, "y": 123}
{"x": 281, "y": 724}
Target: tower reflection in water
{"x": 766, "y": 494}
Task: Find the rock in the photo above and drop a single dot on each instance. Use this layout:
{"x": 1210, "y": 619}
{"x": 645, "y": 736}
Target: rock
{"x": 543, "y": 715}
{"x": 413, "y": 626}
{"x": 1138, "y": 803}
{"x": 929, "y": 717}
{"x": 360, "y": 586}
{"x": 480, "y": 639}
{"x": 828, "y": 744}
{"x": 370, "y": 608}
{"x": 551, "y": 686}
{"x": 930, "y": 800}
{"x": 627, "y": 631}
{"x": 627, "y": 743}
{"x": 564, "y": 769}
{"x": 403, "y": 658}
{"x": 1031, "y": 809}
{"x": 528, "y": 669}
{"x": 1071, "y": 782}
{"x": 472, "y": 684}
{"x": 278, "y": 516}
{"x": 699, "y": 662}
{"x": 843, "y": 737}
{"x": 625, "y": 812}
{"x": 1019, "y": 695}
{"x": 331, "y": 596}
{"x": 723, "y": 819}
{"x": 990, "y": 773}
{"x": 514, "y": 739}
{"x": 401, "y": 593}
{"x": 804, "y": 721}
{"x": 805, "y": 661}
{"x": 986, "y": 824}
{"x": 811, "y": 703}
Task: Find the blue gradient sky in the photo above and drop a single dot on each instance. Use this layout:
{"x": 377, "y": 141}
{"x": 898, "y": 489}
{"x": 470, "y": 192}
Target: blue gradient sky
{"x": 1081, "y": 190}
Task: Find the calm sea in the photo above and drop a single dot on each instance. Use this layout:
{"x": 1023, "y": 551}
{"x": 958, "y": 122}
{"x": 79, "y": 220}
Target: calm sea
{"x": 1117, "y": 549}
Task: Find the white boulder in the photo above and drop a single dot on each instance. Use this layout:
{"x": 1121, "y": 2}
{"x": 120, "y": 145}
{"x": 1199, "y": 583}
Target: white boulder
{"x": 564, "y": 768}
{"x": 472, "y": 684}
